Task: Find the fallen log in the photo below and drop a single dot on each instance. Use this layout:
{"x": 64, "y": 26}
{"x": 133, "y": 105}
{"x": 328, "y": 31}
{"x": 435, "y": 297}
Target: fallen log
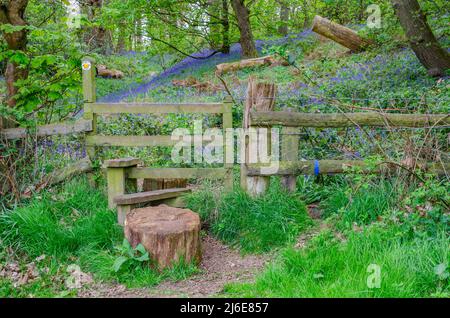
{"x": 103, "y": 71}
{"x": 340, "y": 34}
{"x": 259, "y": 61}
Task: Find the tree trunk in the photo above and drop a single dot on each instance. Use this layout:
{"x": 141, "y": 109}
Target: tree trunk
{"x": 12, "y": 12}
{"x": 168, "y": 234}
{"x": 225, "y": 28}
{"x": 284, "y": 18}
{"x": 340, "y": 34}
{"x": 427, "y": 49}
{"x": 121, "y": 38}
{"x": 96, "y": 37}
{"x": 243, "y": 18}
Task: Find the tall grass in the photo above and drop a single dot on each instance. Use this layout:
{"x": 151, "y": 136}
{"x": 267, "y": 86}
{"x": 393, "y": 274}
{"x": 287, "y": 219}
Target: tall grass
{"x": 362, "y": 204}
{"x": 252, "y": 224}
{"x": 74, "y": 225}
{"x": 61, "y": 223}
{"x": 328, "y": 268}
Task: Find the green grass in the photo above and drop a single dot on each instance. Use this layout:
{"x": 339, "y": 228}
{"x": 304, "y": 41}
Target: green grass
{"x": 72, "y": 226}
{"x": 252, "y": 224}
{"x": 361, "y": 204}
{"x": 336, "y": 264}
{"x": 328, "y": 268}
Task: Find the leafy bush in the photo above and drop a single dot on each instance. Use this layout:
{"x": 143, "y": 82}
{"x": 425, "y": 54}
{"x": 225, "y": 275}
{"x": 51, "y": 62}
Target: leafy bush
{"x": 130, "y": 257}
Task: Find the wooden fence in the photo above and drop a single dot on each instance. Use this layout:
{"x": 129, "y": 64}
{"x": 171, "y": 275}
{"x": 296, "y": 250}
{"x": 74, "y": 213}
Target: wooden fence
{"x": 255, "y": 117}
{"x": 289, "y": 166}
{"x": 92, "y": 110}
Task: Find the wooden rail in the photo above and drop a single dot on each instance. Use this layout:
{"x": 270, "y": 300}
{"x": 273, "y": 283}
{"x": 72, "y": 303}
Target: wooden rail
{"x": 93, "y": 109}
{"x": 369, "y": 119}
{"x": 48, "y": 130}
{"x": 153, "y": 108}
{"x": 311, "y": 167}
{"x": 173, "y": 173}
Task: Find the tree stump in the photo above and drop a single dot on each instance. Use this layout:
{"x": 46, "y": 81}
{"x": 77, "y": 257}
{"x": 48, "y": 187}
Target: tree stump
{"x": 168, "y": 234}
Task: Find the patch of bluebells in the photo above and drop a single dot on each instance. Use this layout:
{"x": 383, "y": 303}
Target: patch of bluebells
{"x": 189, "y": 65}
{"x": 72, "y": 150}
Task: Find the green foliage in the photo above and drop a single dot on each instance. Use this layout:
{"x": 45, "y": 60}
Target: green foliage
{"x": 130, "y": 257}
{"x": 60, "y": 224}
{"x": 74, "y": 225}
{"x": 424, "y": 210}
{"x": 253, "y": 224}
{"x": 329, "y": 268}
{"x": 363, "y": 203}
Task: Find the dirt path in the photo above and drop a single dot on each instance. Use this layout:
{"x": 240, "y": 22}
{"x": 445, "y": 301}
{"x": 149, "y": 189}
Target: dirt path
{"x": 220, "y": 265}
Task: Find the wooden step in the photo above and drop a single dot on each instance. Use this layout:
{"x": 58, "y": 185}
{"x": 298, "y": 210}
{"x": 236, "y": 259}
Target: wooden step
{"x": 148, "y": 196}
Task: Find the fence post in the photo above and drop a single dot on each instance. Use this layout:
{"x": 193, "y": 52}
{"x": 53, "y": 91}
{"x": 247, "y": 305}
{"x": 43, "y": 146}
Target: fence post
{"x": 289, "y": 153}
{"x": 89, "y": 97}
{"x": 260, "y": 97}
{"x": 227, "y": 123}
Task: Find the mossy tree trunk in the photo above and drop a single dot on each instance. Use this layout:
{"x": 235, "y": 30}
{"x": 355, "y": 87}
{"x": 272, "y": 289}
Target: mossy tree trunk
{"x": 12, "y": 12}
{"x": 427, "y": 49}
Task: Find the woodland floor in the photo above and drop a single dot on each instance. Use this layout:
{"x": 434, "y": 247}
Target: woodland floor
{"x": 220, "y": 265}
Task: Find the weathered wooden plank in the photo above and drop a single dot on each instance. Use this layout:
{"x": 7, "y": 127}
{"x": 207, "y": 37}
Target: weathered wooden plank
{"x": 154, "y": 108}
{"x": 116, "y": 178}
{"x": 174, "y": 173}
{"x": 130, "y": 141}
{"x": 227, "y": 118}
{"x": 122, "y": 163}
{"x": 371, "y": 119}
{"x": 311, "y": 167}
{"x": 49, "y": 130}
{"x": 290, "y": 153}
{"x": 143, "y": 197}
{"x": 135, "y": 141}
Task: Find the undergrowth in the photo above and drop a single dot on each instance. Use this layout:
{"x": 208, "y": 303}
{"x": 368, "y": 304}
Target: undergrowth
{"x": 372, "y": 225}
{"x": 253, "y": 224}
{"x": 73, "y": 225}
{"x": 330, "y": 268}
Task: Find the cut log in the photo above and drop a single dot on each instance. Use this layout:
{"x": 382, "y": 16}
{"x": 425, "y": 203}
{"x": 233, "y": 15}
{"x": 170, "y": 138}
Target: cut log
{"x": 260, "y": 97}
{"x": 103, "y": 71}
{"x": 340, "y": 34}
{"x": 239, "y": 65}
{"x": 168, "y": 234}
